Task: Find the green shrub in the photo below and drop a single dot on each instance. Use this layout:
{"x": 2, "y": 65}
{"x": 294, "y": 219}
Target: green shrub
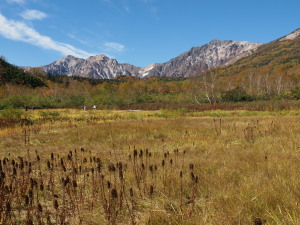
{"x": 293, "y": 94}
{"x": 11, "y": 113}
{"x": 236, "y": 95}
{"x": 49, "y": 114}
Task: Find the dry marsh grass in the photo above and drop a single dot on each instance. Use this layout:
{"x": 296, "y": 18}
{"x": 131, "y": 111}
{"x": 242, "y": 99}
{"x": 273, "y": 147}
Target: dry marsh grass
{"x": 117, "y": 167}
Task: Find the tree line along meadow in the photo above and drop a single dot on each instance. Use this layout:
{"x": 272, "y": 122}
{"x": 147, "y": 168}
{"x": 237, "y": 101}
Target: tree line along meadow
{"x": 237, "y": 83}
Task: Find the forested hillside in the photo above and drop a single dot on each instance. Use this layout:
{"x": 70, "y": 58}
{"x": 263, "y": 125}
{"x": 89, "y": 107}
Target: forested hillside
{"x": 272, "y": 71}
{"x": 14, "y": 75}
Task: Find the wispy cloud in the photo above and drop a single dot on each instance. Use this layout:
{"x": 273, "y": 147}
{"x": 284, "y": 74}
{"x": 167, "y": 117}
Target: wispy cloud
{"x": 114, "y": 47}
{"x": 32, "y": 14}
{"x": 20, "y": 31}
{"x": 16, "y": 1}
{"x": 78, "y": 39}
{"x": 127, "y": 8}
{"x": 154, "y": 11}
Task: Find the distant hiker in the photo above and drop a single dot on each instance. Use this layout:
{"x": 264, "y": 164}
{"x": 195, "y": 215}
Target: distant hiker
{"x": 32, "y": 108}
{"x": 26, "y": 108}
{"x": 94, "y": 107}
{"x": 84, "y": 108}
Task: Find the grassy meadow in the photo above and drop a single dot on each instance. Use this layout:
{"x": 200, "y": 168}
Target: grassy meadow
{"x": 68, "y": 166}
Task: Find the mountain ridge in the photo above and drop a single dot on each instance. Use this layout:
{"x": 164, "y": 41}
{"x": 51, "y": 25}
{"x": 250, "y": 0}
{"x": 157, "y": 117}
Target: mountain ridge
{"x": 200, "y": 59}
{"x": 99, "y": 66}
{"x": 204, "y": 57}
{"x": 196, "y": 61}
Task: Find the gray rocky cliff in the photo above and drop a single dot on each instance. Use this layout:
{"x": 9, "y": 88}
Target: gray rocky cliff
{"x": 193, "y": 62}
{"x": 200, "y": 59}
{"x": 98, "y": 67}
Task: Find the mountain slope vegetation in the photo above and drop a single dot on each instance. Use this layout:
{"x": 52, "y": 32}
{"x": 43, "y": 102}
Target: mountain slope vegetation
{"x": 271, "y": 57}
{"x": 272, "y": 70}
{"x": 14, "y": 75}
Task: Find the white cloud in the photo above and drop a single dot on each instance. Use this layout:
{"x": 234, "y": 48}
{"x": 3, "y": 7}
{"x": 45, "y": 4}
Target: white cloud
{"x": 31, "y": 14}
{"x": 78, "y": 39}
{"x": 19, "y": 31}
{"x": 112, "y": 46}
{"x": 16, "y": 1}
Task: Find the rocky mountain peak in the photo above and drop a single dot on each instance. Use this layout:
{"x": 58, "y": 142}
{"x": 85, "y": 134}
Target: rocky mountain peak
{"x": 200, "y": 59}
{"x": 98, "y": 58}
{"x": 67, "y": 58}
{"x": 196, "y": 60}
{"x": 216, "y": 42}
{"x": 98, "y": 66}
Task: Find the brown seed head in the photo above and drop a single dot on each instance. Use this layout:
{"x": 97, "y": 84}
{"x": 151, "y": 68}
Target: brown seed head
{"x": 196, "y": 179}
{"x": 26, "y": 200}
{"x": 151, "y": 190}
{"x": 40, "y": 208}
{"x": 114, "y": 193}
{"x": 151, "y": 168}
{"x": 74, "y": 184}
{"x": 30, "y": 194}
{"x": 14, "y": 171}
{"x": 111, "y": 167}
{"x": 8, "y": 208}
{"x": 41, "y": 187}
{"x": 131, "y": 192}
{"x": 108, "y": 185}
{"x": 135, "y": 153}
{"x": 191, "y": 166}
{"x": 55, "y": 204}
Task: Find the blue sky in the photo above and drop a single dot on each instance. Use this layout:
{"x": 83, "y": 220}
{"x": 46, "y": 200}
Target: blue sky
{"x": 139, "y": 32}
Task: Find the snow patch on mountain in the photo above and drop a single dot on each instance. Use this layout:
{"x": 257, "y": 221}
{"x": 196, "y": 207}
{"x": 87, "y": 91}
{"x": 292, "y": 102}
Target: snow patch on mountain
{"x": 145, "y": 71}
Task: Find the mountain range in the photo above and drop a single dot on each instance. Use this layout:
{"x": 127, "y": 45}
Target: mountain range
{"x": 196, "y": 61}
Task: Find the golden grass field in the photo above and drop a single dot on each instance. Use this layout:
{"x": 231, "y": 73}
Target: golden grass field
{"x": 151, "y": 167}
